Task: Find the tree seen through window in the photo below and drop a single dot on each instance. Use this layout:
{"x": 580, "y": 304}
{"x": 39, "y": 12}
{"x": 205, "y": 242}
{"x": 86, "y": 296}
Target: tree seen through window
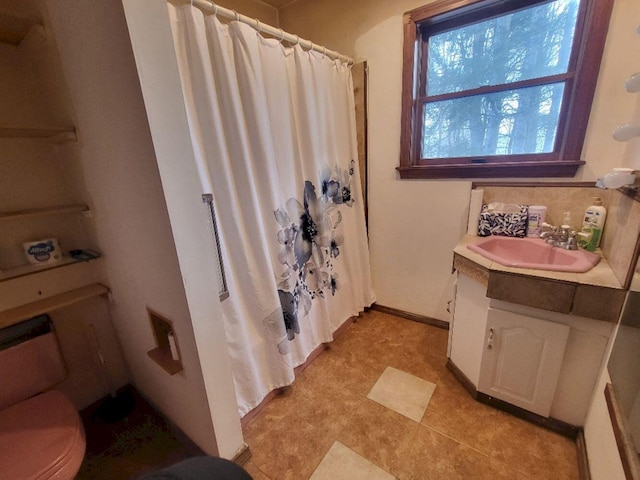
{"x": 532, "y": 44}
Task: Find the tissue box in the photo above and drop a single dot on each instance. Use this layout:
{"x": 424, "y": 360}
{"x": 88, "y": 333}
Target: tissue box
{"x": 508, "y": 220}
{"x": 43, "y": 252}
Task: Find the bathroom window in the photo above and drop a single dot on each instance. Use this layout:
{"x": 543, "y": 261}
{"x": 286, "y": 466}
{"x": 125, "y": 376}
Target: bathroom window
{"x": 499, "y": 89}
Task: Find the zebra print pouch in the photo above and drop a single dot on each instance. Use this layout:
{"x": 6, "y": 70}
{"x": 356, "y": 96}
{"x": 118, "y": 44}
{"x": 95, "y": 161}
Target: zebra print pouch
{"x": 508, "y": 220}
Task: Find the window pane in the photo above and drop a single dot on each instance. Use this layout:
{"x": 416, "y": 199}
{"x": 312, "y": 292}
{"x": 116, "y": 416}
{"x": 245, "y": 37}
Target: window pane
{"x": 504, "y": 123}
{"x": 531, "y": 43}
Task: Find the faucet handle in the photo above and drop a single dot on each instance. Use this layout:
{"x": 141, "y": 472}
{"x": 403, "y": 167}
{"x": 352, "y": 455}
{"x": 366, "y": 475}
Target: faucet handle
{"x": 574, "y": 234}
{"x": 572, "y": 243}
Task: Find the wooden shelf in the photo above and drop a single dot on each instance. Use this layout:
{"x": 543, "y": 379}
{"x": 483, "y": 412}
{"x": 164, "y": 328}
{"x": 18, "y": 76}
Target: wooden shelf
{"x": 163, "y": 358}
{"x": 24, "y": 270}
{"x": 162, "y": 330}
{"x": 24, "y": 312}
{"x": 39, "y": 212}
{"x": 59, "y": 134}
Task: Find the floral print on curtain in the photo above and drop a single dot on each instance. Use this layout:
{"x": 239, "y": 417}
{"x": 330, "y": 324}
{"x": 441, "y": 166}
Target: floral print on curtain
{"x": 310, "y": 239}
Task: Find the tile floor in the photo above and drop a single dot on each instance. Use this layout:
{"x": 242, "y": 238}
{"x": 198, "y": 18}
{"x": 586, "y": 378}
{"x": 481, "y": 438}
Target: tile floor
{"x": 380, "y": 404}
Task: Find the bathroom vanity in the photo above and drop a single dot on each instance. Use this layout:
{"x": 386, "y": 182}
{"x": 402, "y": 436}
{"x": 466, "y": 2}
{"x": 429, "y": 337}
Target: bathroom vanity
{"x": 531, "y": 339}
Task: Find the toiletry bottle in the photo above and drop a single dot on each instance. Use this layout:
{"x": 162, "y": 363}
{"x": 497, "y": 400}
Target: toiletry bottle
{"x": 594, "y": 218}
{"x": 536, "y": 217}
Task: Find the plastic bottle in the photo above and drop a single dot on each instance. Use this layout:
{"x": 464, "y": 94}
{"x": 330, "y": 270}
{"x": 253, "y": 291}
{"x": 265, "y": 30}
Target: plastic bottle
{"x": 594, "y": 218}
{"x": 535, "y": 219}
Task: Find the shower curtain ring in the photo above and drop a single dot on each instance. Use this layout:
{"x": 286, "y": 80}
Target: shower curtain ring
{"x": 281, "y": 35}
{"x": 258, "y": 25}
{"x": 215, "y": 10}
{"x": 297, "y": 40}
{"x": 236, "y": 16}
{"x": 324, "y": 51}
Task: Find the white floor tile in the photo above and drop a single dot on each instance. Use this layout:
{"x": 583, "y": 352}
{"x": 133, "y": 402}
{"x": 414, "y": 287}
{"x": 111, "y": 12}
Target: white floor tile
{"x": 403, "y": 393}
{"x": 342, "y": 463}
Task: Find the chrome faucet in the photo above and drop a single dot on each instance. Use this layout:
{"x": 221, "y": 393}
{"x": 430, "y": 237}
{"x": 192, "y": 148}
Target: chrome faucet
{"x": 562, "y": 236}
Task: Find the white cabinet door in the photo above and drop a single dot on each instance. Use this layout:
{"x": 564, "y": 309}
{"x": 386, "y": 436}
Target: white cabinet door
{"x": 467, "y": 331}
{"x": 522, "y": 359}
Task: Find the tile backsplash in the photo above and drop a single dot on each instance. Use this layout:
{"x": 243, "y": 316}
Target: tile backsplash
{"x": 622, "y": 227}
{"x": 557, "y": 199}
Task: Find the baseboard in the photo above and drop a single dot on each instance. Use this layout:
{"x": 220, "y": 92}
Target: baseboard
{"x": 242, "y": 456}
{"x": 558, "y": 426}
{"x": 624, "y": 440}
{"x": 434, "y": 322}
{"x": 462, "y": 378}
{"x": 244, "y": 421}
{"x": 583, "y": 460}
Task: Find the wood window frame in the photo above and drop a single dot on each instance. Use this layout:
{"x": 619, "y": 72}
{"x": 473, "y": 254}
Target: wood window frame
{"x": 564, "y": 161}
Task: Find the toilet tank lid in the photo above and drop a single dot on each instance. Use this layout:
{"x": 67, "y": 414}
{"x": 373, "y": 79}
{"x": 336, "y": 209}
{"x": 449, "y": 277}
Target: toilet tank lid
{"x": 26, "y": 330}
{"x": 31, "y": 361}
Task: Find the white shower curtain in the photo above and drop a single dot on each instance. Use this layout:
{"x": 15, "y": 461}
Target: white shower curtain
{"x": 273, "y": 129}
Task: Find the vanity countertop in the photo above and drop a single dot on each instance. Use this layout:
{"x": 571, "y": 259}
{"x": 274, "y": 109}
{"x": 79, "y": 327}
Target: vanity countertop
{"x": 596, "y": 294}
{"x": 600, "y": 276}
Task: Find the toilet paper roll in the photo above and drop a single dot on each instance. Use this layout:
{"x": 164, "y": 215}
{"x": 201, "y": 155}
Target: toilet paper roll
{"x": 475, "y": 206}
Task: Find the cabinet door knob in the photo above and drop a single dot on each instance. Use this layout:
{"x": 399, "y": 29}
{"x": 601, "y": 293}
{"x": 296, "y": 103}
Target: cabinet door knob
{"x": 490, "y": 340}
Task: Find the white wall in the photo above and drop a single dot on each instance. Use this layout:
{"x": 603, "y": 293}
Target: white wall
{"x": 152, "y": 42}
{"x": 602, "y": 451}
{"x": 116, "y": 164}
{"x": 33, "y": 175}
{"x": 604, "y": 458}
{"x": 414, "y": 224}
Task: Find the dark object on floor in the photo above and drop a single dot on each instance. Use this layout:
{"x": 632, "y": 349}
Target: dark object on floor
{"x": 201, "y": 468}
{"x": 114, "y": 409}
{"x": 142, "y": 442}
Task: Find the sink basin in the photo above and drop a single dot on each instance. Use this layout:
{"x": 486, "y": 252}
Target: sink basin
{"x": 534, "y": 253}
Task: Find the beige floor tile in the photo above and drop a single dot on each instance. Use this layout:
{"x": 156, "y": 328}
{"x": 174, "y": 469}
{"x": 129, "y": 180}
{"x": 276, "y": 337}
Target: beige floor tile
{"x": 291, "y": 450}
{"x": 378, "y": 434}
{"x": 342, "y": 463}
{"x": 534, "y": 451}
{"x": 270, "y": 417}
{"x": 457, "y": 437}
{"x": 500, "y": 471}
{"x": 328, "y": 408}
{"x": 254, "y": 471}
{"x": 454, "y": 413}
{"x": 430, "y": 340}
{"x": 403, "y": 393}
{"x": 346, "y": 368}
{"x": 416, "y": 361}
{"x": 430, "y": 455}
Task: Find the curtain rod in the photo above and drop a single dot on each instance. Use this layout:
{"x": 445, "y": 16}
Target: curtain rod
{"x": 210, "y": 7}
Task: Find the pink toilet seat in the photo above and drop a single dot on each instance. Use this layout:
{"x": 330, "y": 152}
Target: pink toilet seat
{"x": 41, "y": 438}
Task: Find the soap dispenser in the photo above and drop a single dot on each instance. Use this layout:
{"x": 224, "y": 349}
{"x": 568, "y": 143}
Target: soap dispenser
{"x": 594, "y": 218}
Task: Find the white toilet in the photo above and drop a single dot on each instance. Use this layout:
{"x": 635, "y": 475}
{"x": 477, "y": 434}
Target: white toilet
{"x": 41, "y": 434}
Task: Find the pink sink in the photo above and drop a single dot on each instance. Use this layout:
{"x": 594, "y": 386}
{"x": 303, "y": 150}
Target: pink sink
{"x": 534, "y": 253}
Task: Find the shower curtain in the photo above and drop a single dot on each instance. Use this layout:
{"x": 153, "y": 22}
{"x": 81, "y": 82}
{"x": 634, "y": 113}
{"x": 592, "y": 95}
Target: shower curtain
{"x": 273, "y": 128}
